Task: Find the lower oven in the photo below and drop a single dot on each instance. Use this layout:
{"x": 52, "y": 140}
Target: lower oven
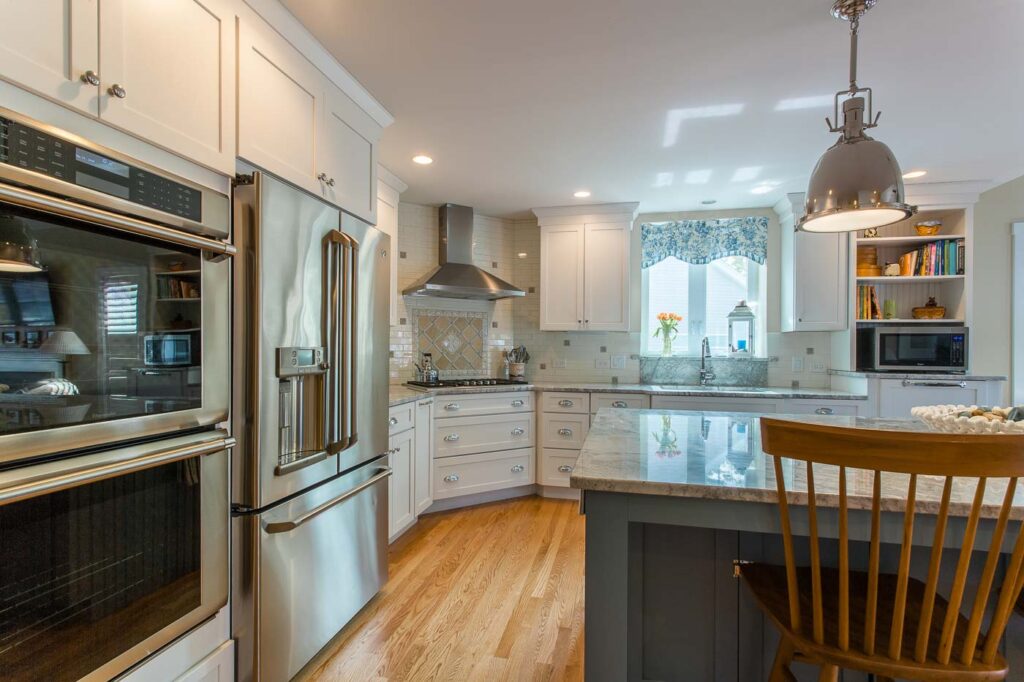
{"x": 109, "y": 556}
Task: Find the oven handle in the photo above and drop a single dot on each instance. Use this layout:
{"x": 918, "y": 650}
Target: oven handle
{"x": 286, "y": 526}
{"x": 69, "y": 209}
{"x": 79, "y": 477}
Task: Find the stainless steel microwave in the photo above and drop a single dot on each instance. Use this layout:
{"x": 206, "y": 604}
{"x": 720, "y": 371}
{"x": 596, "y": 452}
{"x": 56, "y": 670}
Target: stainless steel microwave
{"x": 912, "y": 349}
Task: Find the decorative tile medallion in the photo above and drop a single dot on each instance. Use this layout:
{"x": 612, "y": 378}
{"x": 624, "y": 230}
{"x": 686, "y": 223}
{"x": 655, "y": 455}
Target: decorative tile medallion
{"x": 456, "y": 339}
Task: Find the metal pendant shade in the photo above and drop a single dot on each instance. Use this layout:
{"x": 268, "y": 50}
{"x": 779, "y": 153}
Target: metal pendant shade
{"x": 857, "y": 183}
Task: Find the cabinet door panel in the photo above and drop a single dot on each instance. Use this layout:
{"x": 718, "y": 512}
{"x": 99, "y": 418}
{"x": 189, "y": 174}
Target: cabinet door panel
{"x": 422, "y": 481}
{"x": 401, "y": 512}
{"x": 820, "y": 281}
{"x": 561, "y": 277}
{"x": 348, "y": 156}
{"x": 46, "y": 46}
{"x": 175, "y": 60}
{"x": 606, "y": 278}
{"x": 896, "y": 398}
{"x": 387, "y": 222}
{"x": 279, "y": 106}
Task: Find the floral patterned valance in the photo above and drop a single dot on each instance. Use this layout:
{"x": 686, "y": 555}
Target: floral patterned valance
{"x": 699, "y": 242}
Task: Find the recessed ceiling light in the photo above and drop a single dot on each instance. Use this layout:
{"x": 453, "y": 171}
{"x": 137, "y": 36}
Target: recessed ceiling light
{"x": 422, "y": 159}
{"x": 698, "y": 177}
{"x": 914, "y": 174}
{"x": 581, "y": 194}
{"x": 762, "y": 189}
{"x": 708, "y": 202}
{"x": 745, "y": 174}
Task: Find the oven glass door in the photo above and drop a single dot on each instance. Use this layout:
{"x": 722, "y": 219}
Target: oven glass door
{"x": 74, "y": 314}
{"x": 897, "y": 349}
{"x": 95, "y": 576}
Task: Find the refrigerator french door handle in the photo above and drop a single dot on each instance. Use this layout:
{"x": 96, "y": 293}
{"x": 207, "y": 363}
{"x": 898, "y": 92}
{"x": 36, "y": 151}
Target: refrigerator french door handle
{"x": 99, "y": 472}
{"x": 352, "y": 349}
{"x": 339, "y": 337}
{"x": 286, "y": 526}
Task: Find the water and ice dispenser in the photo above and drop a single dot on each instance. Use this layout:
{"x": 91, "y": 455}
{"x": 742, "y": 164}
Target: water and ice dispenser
{"x": 302, "y": 407}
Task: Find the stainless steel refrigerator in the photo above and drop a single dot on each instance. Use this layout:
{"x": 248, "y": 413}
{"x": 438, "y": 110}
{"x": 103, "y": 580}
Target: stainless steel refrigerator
{"x": 309, "y": 410}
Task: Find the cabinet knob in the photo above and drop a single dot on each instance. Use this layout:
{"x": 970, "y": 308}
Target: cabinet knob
{"x": 620, "y": 403}
{"x": 393, "y": 451}
{"x": 90, "y": 77}
{"x": 564, "y": 432}
{"x": 451, "y": 478}
{"x": 393, "y": 421}
{"x": 824, "y": 410}
{"x": 518, "y": 469}
{"x": 330, "y": 182}
{"x": 518, "y": 431}
{"x": 117, "y": 91}
{"x": 517, "y": 403}
{"x": 451, "y": 438}
{"x": 451, "y": 407}
{"x": 565, "y": 469}
{"x": 566, "y": 403}
{"x": 322, "y": 177}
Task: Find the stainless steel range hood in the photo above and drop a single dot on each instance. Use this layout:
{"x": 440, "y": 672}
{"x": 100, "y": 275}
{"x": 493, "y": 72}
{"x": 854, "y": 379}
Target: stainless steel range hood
{"x": 457, "y": 277}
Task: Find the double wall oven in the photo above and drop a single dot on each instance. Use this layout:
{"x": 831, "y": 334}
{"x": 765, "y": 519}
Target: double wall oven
{"x": 114, "y": 394}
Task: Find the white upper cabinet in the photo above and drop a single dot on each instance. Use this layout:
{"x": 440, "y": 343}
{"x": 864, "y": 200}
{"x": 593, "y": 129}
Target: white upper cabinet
{"x": 168, "y": 75}
{"x": 48, "y": 46}
{"x": 585, "y": 276}
{"x": 389, "y": 189}
{"x": 813, "y": 274}
{"x": 348, "y": 156}
{"x": 561, "y": 277}
{"x": 280, "y": 106}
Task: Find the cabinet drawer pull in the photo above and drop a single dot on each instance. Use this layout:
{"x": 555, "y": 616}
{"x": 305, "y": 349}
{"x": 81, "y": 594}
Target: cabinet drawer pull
{"x": 518, "y": 403}
{"x": 565, "y": 469}
{"x": 566, "y": 403}
{"x": 941, "y": 384}
{"x": 393, "y": 451}
{"x": 564, "y": 432}
{"x": 451, "y": 478}
{"x": 393, "y": 421}
{"x": 90, "y": 77}
{"x": 518, "y": 431}
{"x": 117, "y": 91}
{"x": 451, "y": 437}
{"x": 518, "y": 469}
{"x": 620, "y": 403}
{"x": 451, "y": 407}
{"x": 824, "y": 410}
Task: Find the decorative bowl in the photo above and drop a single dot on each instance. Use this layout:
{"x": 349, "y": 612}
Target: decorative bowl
{"x": 928, "y": 312}
{"x": 928, "y": 229}
{"x": 948, "y": 419}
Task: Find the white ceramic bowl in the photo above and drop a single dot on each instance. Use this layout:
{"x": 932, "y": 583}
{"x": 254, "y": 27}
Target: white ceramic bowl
{"x": 945, "y": 418}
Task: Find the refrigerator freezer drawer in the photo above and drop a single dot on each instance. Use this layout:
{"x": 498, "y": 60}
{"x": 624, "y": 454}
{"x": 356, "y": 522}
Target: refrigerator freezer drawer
{"x": 319, "y": 558}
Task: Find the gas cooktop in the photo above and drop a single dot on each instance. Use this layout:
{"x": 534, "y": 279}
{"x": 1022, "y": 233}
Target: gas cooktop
{"x": 462, "y": 383}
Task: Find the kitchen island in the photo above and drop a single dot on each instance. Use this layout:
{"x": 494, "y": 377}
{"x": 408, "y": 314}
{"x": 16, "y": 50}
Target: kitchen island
{"x": 673, "y": 498}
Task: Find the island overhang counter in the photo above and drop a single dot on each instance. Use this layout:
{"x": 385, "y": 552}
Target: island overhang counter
{"x": 672, "y": 499}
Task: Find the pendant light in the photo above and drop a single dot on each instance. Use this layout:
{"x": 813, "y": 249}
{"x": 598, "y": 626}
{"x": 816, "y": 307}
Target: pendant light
{"x": 18, "y": 251}
{"x": 857, "y": 183}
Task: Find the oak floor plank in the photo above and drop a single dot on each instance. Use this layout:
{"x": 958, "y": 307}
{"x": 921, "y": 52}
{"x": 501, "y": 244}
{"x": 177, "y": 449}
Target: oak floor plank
{"x": 493, "y": 592}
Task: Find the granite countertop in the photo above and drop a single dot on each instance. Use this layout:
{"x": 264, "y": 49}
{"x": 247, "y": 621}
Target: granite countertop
{"x": 403, "y": 394}
{"x": 717, "y": 456}
{"x": 921, "y": 376}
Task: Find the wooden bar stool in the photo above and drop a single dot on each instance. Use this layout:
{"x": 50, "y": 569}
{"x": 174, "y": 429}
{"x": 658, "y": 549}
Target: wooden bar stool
{"x": 891, "y": 625}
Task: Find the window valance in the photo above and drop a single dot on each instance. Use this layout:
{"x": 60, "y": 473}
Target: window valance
{"x": 699, "y": 242}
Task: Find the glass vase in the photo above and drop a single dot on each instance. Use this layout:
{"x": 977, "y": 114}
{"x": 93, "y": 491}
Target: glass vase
{"x": 666, "y": 346}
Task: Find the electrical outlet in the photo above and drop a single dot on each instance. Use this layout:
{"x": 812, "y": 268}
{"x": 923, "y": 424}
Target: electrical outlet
{"x": 602, "y": 363}
{"x": 618, "y": 362}
{"x": 798, "y": 364}
{"x": 818, "y": 365}
{"x": 559, "y": 363}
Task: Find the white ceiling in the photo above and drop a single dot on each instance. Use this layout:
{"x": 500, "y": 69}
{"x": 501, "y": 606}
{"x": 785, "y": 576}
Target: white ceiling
{"x": 522, "y": 102}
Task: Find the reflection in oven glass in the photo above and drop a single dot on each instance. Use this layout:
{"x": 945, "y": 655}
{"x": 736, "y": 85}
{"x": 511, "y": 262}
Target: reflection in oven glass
{"x": 94, "y": 326}
{"x": 88, "y": 573}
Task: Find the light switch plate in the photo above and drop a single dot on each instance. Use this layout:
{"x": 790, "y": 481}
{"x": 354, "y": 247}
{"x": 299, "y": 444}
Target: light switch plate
{"x": 818, "y": 365}
{"x": 798, "y": 364}
{"x": 618, "y": 362}
{"x": 602, "y": 363}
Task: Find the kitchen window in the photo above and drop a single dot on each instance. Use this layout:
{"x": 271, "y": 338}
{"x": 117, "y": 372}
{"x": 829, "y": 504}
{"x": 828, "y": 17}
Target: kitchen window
{"x": 700, "y": 269}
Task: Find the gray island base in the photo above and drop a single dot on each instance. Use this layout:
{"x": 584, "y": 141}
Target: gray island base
{"x": 673, "y": 498}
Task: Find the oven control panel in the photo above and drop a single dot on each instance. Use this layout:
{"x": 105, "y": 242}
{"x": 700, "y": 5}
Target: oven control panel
{"x": 26, "y": 147}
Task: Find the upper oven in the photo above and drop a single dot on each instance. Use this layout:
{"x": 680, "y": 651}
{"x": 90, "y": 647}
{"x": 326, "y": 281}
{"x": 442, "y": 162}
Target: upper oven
{"x": 114, "y": 296}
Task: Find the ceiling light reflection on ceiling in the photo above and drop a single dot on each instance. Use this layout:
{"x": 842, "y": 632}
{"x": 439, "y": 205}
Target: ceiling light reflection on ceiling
{"x": 910, "y": 175}
{"x": 675, "y": 117}
{"x": 698, "y": 177}
{"x": 581, "y": 194}
{"x": 746, "y": 174}
{"x": 422, "y": 159}
{"x": 664, "y": 179}
{"x": 813, "y": 102}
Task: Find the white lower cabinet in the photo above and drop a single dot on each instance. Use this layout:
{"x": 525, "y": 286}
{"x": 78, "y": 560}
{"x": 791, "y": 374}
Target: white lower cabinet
{"x": 844, "y": 408}
{"x": 567, "y": 431}
{"x": 468, "y": 474}
{"x": 217, "y": 667}
{"x": 401, "y": 502}
{"x": 486, "y": 433}
{"x": 556, "y": 466}
{"x": 896, "y": 397}
{"x": 422, "y": 483}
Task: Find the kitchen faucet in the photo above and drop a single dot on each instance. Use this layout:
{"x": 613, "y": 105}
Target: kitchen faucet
{"x": 706, "y": 375}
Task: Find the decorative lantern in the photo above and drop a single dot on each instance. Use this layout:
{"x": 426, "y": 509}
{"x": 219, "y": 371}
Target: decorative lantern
{"x": 741, "y": 329}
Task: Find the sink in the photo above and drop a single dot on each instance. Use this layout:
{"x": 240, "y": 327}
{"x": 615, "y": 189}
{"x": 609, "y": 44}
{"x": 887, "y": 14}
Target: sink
{"x": 715, "y": 389}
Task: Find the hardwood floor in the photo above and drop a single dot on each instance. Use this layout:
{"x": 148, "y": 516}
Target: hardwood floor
{"x": 493, "y": 592}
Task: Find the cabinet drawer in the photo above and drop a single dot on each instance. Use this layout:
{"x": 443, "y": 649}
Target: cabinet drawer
{"x": 470, "y": 405}
{"x": 575, "y": 403}
{"x": 555, "y": 466}
{"x": 564, "y": 430}
{"x": 467, "y": 474}
{"x": 845, "y": 408}
{"x": 488, "y": 433}
{"x": 633, "y": 401}
{"x": 401, "y": 417}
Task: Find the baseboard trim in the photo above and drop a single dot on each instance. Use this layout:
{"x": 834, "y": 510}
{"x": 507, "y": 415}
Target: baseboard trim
{"x": 558, "y": 492}
{"x": 481, "y": 498}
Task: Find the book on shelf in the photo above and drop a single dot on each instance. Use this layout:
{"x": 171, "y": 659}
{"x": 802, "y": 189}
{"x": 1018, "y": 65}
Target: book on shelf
{"x": 867, "y": 303}
{"x": 941, "y": 257}
{"x": 174, "y": 287}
